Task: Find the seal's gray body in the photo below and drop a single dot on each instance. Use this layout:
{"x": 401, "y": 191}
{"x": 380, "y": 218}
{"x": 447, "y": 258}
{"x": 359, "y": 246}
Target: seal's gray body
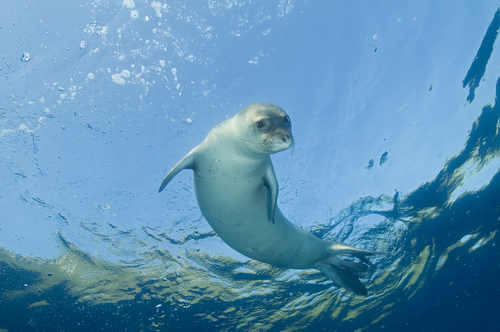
{"x": 236, "y": 190}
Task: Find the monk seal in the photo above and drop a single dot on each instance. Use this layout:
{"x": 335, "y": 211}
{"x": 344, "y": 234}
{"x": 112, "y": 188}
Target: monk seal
{"x": 237, "y": 190}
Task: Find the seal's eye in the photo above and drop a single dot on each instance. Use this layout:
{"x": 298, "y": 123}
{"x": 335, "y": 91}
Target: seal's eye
{"x": 286, "y": 120}
{"x": 259, "y": 124}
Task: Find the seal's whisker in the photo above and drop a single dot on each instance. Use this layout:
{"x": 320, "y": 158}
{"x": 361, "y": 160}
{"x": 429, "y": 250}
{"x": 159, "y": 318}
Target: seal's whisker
{"x": 246, "y": 141}
{"x": 258, "y": 144}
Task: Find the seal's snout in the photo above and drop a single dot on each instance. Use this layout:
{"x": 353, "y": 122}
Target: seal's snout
{"x": 281, "y": 139}
{"x": 281, "y": 134}
{"x": 286, "y": 136}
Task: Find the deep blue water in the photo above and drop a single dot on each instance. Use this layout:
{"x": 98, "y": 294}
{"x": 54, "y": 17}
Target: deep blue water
{"x": 396, "y": 119}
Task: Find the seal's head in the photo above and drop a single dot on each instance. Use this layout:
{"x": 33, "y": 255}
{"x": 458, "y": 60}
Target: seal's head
{"x": 266, "y": 127}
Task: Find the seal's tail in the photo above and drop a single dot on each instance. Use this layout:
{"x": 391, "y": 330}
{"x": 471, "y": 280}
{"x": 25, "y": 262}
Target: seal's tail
{"x": 343, "y": 273}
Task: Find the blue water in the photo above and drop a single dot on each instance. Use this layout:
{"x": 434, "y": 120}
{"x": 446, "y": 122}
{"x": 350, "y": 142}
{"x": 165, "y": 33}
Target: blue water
{"x": 395, "y": 116}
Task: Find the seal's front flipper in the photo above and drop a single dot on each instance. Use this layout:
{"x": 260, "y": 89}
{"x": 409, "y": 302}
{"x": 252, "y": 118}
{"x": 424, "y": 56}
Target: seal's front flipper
{"x": 272, "y": 184}
{"x": 186, "y": 163}
{"x": 343, "y": 277}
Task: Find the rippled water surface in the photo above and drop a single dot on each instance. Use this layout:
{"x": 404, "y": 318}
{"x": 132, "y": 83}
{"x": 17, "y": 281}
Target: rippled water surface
{"x": 395, "y": 111}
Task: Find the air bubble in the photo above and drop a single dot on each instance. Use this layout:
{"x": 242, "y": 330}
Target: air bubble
{"x": 83, "y": 45}
{"x": 26, "y": 57}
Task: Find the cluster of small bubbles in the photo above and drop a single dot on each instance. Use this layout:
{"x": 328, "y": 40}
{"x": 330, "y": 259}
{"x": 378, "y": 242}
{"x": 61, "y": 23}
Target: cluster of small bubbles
{"x": 26, "y": 57}
{"x": 129, "y": 3}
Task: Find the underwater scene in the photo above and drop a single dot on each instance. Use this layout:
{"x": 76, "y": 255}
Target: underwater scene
{"x": 394, "y": 107}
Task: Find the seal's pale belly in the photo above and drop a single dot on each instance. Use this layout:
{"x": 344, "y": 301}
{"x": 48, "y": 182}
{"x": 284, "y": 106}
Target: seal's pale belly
{"x": 239, "y": 215}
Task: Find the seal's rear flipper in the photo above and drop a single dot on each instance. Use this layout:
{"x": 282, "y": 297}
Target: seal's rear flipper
{"x": 186, "y": 162}
{"x": 353, "y": 266}
{"x": 343, "y": 277}
{"x": 337, "y": 248}
{"x": 341, "y": 272}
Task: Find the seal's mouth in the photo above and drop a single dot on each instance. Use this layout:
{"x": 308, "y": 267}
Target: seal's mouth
{"x": 274, "y": 146}
{"x": 273, "y": 143}
{"x": 277, "y": 141}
